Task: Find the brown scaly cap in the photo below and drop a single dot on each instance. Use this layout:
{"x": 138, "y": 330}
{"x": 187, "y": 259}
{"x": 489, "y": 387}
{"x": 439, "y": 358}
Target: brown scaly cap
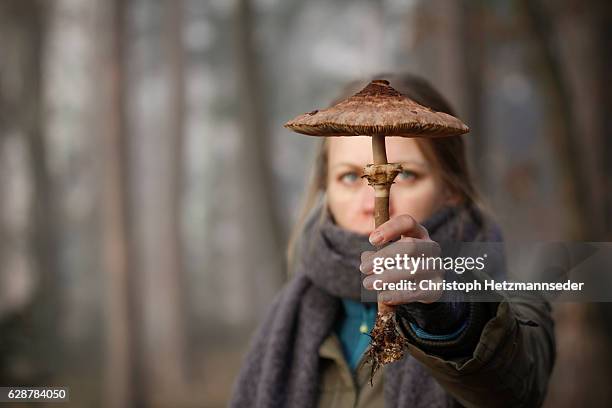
{"x": 378, "y": 109}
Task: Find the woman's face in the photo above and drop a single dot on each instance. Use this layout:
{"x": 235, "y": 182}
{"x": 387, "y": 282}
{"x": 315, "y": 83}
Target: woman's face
{"x": 417, "y": 191}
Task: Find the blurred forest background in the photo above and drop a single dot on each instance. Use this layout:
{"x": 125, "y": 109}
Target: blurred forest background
{"x": 141, "y": 143}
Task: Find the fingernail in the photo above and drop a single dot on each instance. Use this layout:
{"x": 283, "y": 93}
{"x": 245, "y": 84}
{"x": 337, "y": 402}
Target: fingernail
{"x": 367, "y": 282}
{"x": 376, "y": 238}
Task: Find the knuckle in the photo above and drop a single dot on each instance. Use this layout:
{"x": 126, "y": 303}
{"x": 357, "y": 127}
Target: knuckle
{"x": 409, "y": 240}
{"x": 433, "y": 247}
{"x": 388, "y": 297}
{"x": 425, "y": 232}
{"x": 406, "y": 220}
{"x": 366, "y": 255}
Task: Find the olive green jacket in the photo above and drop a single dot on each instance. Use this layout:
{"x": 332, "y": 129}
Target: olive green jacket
{"x": 509, "y": 367}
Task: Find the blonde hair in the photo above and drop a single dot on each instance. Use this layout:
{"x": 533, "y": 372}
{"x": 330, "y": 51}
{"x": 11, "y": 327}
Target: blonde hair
{"x": 447, "y": 155}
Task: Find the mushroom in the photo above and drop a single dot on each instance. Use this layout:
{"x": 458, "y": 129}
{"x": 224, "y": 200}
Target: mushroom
{"x": 379, "y": 110}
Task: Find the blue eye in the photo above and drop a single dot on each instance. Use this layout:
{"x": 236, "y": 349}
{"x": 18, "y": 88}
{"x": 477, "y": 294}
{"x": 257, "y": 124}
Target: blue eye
{"x": 349, "y": 177}
{"x": 406, "y": 175}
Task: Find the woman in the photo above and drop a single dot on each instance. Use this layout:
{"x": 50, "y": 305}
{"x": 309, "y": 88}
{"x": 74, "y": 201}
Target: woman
{"x": 310, "y": 350}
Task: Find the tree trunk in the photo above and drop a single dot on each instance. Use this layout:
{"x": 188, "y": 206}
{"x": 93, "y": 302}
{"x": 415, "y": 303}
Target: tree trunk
{"x": 155, "y": 115}
{"x": 563, "y": 131}
{"x": 22, "y": 42}
{"x": 123, "y": 382}
{"x": 256, "y": 211}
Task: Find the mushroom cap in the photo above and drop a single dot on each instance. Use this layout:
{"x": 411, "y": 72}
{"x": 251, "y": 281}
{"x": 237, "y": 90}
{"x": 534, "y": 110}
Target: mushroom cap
{"x": 377, "y": 109}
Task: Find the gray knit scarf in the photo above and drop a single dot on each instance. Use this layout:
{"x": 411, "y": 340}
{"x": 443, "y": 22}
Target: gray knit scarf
{"x": 282, "y": 367}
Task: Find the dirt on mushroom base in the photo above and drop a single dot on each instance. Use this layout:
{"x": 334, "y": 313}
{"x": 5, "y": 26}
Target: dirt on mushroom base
{"x": 386, "y": 345}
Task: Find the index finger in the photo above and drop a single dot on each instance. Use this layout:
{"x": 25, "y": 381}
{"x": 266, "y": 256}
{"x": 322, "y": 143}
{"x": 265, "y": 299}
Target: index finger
{"x": 403, "y": 225}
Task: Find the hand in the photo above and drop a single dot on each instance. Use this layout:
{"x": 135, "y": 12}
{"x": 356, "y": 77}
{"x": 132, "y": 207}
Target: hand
{"x": 413, "y": 241}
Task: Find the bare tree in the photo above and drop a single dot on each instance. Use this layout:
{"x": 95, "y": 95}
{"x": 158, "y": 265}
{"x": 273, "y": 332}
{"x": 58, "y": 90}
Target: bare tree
{"x": 123, "y": 380}
{"x": 563, "y": 131}
{"x": 260, "y": 216}
{"x": 155, "y": 115}
{"x": 602, "y": 12}
{"x": 23, "y": 41}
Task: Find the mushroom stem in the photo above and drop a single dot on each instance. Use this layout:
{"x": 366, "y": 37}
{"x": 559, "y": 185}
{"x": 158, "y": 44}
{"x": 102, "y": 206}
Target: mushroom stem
{"x": 381, "y": 204}
{"x": 387, "y": 345}
{"x": 381, "y": 195}
{"x": 379, "y": 150}
{"x": 381, "y": 191}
